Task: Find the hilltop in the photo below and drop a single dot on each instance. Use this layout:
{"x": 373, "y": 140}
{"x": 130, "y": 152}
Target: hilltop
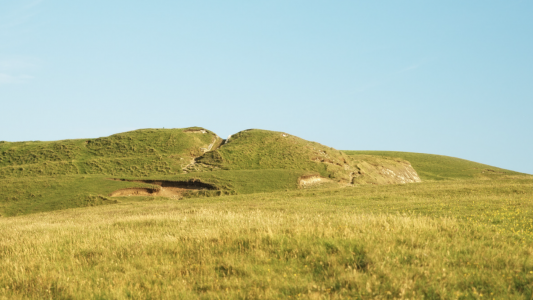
{"x": 195, "y": 162}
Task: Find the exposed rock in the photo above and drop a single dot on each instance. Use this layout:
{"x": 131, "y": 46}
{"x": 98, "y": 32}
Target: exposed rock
{"x": 374, "y": 170}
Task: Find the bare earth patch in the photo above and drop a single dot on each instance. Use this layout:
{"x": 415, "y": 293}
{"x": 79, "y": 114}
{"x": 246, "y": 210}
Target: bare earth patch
{"x": 171, "y": 189}
{"x": 134, "y": 192}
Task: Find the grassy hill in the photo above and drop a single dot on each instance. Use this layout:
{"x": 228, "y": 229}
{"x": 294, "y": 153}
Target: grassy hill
{"x": 262, "y": 149}
{"x": 44, "y": 176}
{"x": 464, "y": 232}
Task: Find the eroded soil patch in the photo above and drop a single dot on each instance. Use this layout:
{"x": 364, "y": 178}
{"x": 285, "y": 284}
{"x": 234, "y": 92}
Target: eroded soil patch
{"x": 166, "y": 188}
{"x": 134, "y": 192}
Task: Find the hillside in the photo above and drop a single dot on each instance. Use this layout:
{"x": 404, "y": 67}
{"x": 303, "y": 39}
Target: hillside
{"x": 136, "y": 153}
{"x": 195, "y": 162}
{"x": 262, "y": 149}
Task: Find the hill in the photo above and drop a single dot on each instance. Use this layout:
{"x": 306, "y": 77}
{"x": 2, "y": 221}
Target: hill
{"x": 41, "y": 176}
{"x": 195, "y": 162}
{"x": 262, "y": 149}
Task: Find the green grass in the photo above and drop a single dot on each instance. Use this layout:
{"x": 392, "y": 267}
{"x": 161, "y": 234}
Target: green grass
{"x": 262, "y": 149}
{"x": 244, "y": 181}
{"x": 136, "y": 153}
{"x": 24, "y": 195}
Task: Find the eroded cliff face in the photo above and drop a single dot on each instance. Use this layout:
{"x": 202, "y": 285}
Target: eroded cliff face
{"x": 373, "y": 170}
{"x": 366, "y": 169}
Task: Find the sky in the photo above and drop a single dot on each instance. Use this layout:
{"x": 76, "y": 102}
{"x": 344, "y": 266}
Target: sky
{"x": 442, "y": 77}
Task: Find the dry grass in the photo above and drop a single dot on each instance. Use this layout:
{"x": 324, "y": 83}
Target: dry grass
{"x": 304, "y": 244}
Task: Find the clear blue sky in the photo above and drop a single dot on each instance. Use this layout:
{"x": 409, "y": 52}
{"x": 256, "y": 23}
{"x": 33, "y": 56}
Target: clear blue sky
{"x": 442, "y": 77}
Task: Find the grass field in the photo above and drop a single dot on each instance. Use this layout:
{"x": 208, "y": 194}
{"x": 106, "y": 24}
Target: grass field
{"x": 465, "y": 232}
{"x": 434, "y": 240}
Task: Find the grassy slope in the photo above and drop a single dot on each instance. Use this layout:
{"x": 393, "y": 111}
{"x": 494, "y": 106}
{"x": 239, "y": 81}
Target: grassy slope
{"x": 45, "y": 193}
{"x": 130, "y": 155}
{"x": 252, "y": 161}
{"x": 244, "y": 181}
{"x": 43, "y": 176}
{"x": 136, "y": 153}
{"x": 262, "y": 149}
{"x": 440, "y": 167}
{"x": 24, "y": 195}
{"x": 434, "y": 240}
{"x": 257, "y": 149}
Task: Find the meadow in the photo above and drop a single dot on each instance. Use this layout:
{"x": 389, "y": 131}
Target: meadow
{"x": 468, "y": 239}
